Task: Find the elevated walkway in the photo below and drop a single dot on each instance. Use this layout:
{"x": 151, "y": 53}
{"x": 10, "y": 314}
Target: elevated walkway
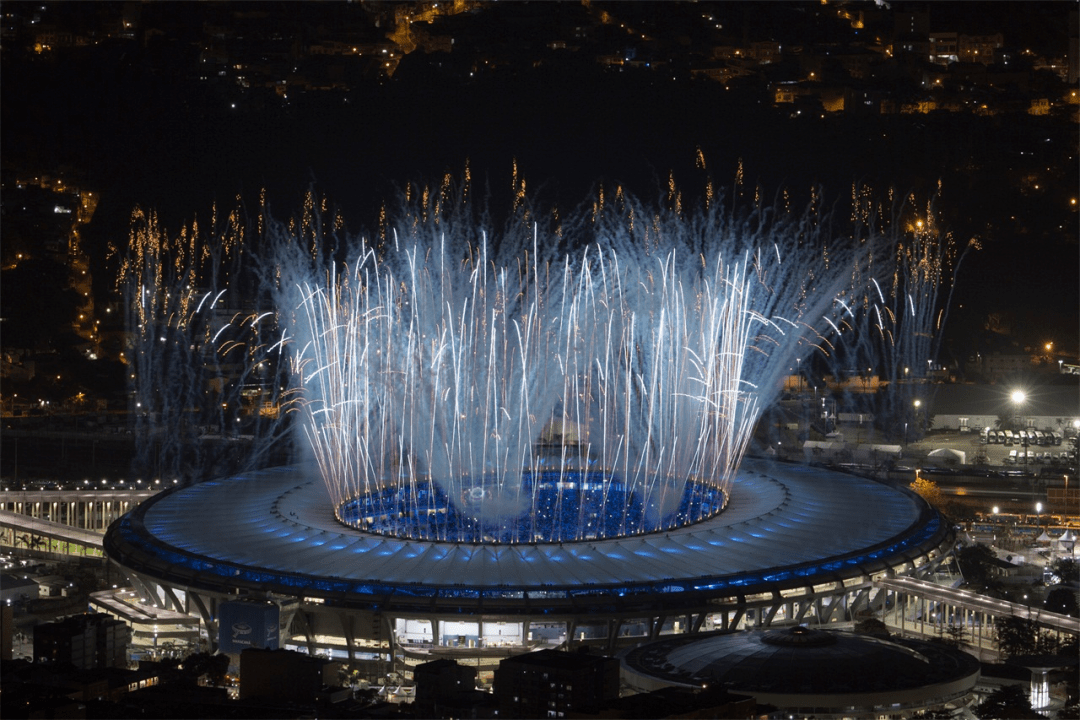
{"x": 47, "y": 535}
{"x": 947, "y": 604}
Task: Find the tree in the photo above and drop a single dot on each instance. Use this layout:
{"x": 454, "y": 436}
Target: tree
{"x": 872, "y": 626}
{"x": 933, "y": 715}
{"x": 975, "y": 562}
{"x": 1071, "y": 710}
{"x": 1048, "y": 643}
{"x": 1067, "y": 569}
{"x": 952, "y": 635}
{"x": 1015, "y": 636}
{"x": 1010, "y": 701}
{"x": 928, "y": 490}
{"x": 215, "y": 667}
{"x": 958, "y": 512}
{"x": 1062, "y": 600}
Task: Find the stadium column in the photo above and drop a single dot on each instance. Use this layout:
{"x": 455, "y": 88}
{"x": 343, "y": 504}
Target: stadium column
{"x": 171, "y": 599}
{"x": 207, "y": 619}
{"x": 305, "y": 627}
{"x": 614, "y": 625}
{"x": 391, "y": 645}
{"x": 347, "y": 630}
{"x": 145, "y": 588}
{"x": 656, "y": 623}
{"x": 861, "y": 600}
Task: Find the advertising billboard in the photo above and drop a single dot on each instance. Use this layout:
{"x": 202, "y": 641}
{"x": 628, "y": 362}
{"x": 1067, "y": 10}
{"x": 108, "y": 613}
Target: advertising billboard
{"x": 244, "y": 624}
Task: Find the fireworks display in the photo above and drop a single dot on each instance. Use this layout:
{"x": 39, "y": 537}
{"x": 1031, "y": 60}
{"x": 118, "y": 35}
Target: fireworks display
{"x": 894, "y": 328}
{"x": 566, "y": 376}
{"x": 209, "y": 391}
{"x": 452, "y": 394}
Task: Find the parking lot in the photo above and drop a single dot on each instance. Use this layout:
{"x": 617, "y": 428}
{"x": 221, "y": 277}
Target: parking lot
{"x": 992, "y": 454}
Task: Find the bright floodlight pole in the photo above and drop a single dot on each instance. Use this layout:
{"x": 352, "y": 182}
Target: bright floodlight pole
{"x": 1018, "y": 398}
{"x": 918, "y": 424}
{"x": 1066, "y": 476}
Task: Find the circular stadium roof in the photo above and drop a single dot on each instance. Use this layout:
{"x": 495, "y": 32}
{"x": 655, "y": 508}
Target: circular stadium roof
{"x": 799, "y": 666}
{"x": 275, "y": 530}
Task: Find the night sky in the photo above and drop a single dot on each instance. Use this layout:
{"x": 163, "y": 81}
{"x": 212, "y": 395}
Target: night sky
{"x": 132, "y": 120}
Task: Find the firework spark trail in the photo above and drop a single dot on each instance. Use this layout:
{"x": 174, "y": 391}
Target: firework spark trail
{"x": 187, "y": 347}
{"x": 624, "y": 356}
{"x": 895, "y": 328}
{"x": 645, "y": 358}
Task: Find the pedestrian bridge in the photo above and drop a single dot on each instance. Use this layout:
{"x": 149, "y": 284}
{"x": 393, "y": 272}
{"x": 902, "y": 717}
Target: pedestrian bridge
{"x": 20, "y": 531}
{"x": 913, "y": 604}
{"x": 65, "y": 522}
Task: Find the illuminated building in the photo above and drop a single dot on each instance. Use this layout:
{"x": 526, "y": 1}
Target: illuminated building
{"x": 795, "y": 544}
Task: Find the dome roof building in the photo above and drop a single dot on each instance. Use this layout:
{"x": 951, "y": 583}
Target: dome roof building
{"x": 826, "y": 673}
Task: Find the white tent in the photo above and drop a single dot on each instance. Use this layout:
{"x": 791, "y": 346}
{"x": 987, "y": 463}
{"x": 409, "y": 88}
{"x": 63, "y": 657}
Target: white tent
{"x": 1067, "y": 541}
{"x": 947, "y": 456}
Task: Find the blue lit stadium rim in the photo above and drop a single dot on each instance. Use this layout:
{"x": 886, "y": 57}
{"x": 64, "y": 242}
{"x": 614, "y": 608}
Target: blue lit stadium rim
{"x": 275, "y": 530}
{"x": 548, "y": 506}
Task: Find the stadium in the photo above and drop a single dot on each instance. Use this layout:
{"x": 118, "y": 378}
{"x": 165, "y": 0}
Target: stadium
{"x": 515, "y": 447}
{"x": 795, "y": 545}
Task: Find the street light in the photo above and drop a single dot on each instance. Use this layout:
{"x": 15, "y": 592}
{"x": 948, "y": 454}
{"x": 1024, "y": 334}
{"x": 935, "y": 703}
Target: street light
{"x": 1066, "y": 498}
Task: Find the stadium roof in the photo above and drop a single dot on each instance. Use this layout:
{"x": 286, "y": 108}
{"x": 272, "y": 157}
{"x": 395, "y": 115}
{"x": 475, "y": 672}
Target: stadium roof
{"x": 785, "y": 525}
